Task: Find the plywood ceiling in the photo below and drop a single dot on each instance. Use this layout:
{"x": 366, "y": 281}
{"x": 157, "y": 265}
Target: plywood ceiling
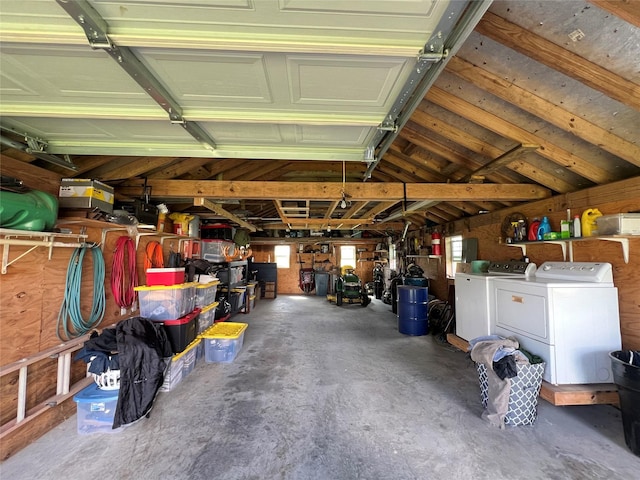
{"x": 220, "y": 100}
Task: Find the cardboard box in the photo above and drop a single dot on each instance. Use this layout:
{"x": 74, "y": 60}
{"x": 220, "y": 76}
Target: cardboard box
{"x": 85, "y": 193}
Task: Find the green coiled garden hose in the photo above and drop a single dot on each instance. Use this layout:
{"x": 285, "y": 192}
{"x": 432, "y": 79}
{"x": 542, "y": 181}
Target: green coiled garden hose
{"x": 70, "y": 320}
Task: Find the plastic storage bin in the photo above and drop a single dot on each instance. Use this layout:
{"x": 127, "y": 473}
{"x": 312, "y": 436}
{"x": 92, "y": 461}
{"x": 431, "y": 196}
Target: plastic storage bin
{"x": 173, "y": 373}
{"x": 620, "y": 224}
{"x": 96, "y": 410}
{"x": 207, "y": 317}
{"x": 166, "y": 302}
{"x": 223, "y": 341}
{"x": 190, "y": 356}
{"x": 214, "y": 250}
{"x": 206, "y": 293}
{"x": 164, "y": 276}
{"x": 182, "y": 331}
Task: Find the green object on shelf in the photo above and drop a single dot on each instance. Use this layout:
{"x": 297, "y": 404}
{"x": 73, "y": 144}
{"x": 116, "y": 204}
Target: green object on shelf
{"x": 35, "y": 210}
{"x": 551, "y": 236}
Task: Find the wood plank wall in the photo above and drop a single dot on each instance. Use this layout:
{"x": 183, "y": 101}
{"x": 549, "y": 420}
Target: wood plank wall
{"x": 615, "y": 198}
{"x": 288, "y": 278}
{"x": 31, "y": 295}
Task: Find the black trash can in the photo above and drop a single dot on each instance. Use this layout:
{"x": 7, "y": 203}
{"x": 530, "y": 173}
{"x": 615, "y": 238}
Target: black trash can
{"x": 626, "y": 375}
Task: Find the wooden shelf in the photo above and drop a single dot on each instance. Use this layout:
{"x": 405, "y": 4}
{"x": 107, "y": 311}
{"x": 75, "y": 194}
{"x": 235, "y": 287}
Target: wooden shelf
{"x": 27, "y": 238}
{"x": 567, "y": 244}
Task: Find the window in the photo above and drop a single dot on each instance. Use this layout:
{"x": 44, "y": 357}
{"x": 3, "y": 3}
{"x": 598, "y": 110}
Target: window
{"x": 453, "y": 254}
{"x": 283, "y": 255}
{"x": 347, "y": 256}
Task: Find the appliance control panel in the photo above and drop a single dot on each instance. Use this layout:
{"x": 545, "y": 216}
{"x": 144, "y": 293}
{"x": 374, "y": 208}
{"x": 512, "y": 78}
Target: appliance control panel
{"x": 596, "y": 272}
{"x": 512, "y": 268}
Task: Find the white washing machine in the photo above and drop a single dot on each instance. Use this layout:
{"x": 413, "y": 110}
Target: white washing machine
{"x": 474, "y": 297}
{"x": 567, "y": 313}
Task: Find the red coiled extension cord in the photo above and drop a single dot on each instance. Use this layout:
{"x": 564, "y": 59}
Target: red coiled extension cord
{"x": 124, "y": 275}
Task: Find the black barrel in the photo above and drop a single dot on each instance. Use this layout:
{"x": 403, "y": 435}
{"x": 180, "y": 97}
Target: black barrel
{"x": 412, "y": 310}
{"x": 395, "y": 282}
{"x": 627, "y": 376}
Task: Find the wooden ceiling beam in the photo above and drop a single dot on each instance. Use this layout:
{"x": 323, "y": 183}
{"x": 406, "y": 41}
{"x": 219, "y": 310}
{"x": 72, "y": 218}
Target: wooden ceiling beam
{"x": 502, "y": 127}
{"x": 554, "y": 56}
{"x": 627, "y": 10}
{"x": 505, "y": 159}
{"x": 180, "y": 167}
{"x": 354, "y": 208}
{"x": 378, "y": 209}
{"x": 419, "y": 173}
{"x": 423, "y": 160}
{"x": 476, "y": 145}
{"x": 376, "y": 227}
{"x": 546, "y": 110}
{"x": 218, "y": 210}
{"x": 363, "y": 191}
{"x": 426, "y": 123}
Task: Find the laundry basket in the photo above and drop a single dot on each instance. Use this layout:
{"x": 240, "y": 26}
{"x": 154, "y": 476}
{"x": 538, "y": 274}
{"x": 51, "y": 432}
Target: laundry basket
{"x": 523, "y": 398}
{"x": 107, "y": 380}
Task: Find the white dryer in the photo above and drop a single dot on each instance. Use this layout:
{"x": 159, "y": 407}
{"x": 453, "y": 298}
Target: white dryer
{"x": 474, "y": 297}
{"x": 567, "y": 313}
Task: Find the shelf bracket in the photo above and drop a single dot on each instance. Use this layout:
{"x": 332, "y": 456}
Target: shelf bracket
{"x": 624, "y": 243}
{"x": 47, "y": 239}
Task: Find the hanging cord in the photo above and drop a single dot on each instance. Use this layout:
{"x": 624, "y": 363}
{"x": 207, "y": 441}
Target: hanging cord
{"x": 124, "y": 275}
{"x": 153, "y": 256}
{"x": 70, "y": 319}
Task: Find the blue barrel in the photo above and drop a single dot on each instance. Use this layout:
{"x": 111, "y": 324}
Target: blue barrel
{"x": 412, "y": 310}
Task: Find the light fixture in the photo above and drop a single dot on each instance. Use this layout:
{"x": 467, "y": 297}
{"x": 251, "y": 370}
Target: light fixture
{"x": 328, "y": 228}
{"x": 343, "y": 202}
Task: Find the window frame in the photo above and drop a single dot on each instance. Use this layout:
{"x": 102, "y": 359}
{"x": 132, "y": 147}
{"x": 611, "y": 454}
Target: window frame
{"x": 285, "y": 259}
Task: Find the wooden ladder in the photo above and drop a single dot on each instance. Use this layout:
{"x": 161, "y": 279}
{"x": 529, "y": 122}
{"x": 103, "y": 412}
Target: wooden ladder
{"x": 64, "y": 389}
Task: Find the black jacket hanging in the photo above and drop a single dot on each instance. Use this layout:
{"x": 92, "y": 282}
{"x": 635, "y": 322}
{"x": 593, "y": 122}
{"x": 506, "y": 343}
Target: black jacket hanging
{"x": 143, "y": 350}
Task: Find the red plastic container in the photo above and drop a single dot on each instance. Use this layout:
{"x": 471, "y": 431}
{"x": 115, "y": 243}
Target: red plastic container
{"x": 183, "y": 331}
{"x": 164, "y": 276}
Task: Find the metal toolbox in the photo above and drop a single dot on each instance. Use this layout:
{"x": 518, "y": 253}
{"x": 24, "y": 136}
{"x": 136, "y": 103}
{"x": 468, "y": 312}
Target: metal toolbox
{"x": 619, "y": 224}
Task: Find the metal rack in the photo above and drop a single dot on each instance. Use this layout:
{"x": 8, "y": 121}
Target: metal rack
{"x": 34, "y": 240}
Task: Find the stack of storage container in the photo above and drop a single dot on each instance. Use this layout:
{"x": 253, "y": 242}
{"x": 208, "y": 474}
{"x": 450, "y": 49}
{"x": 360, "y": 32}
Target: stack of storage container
{"x": 206, "y": 300}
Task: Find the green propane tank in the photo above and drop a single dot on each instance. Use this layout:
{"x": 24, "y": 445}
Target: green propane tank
{"x": 35, "y": 210}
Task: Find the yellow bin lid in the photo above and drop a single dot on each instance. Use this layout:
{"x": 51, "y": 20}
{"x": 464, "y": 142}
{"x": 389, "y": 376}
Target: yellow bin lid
{"x": 225, "y": 330}
{"x": 178, "y": 286}
{"x": 209, "y": 307}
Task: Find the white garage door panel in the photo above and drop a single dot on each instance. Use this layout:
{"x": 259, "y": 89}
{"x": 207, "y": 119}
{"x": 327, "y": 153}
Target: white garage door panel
{"x": 59, "y": 131}
{"x": 404, "y": 22}
{"x": 329, "y": 135}
{"x": 210, "y": 77}
{"x": 345, "y": 81}
{"x": 289, "y": 79}
{"x": 67, "y": 74}
{"x": 243, "y": 134}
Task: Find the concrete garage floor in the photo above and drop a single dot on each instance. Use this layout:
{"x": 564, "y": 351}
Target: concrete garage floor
{"x": 326, "y": 392}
